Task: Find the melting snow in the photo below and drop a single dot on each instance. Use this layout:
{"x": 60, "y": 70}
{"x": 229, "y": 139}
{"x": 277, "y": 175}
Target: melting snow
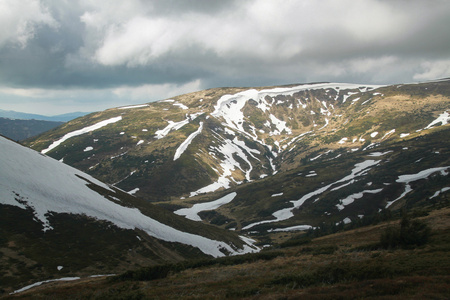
{"x": 292, "y": 228}
{"x": 182, "y": 106}
{"x": 48, "y": 186}
{"x": 360, "y": 169}
{"x": 42, "y": 282}
{"x": 187, "y": 142}
{"x": 81, "y": 131}
{"x": 443, "y": 118}
{"x": 350, "y": 199}
{"x": 133, "y": 191}
{"x": 406, "y": 179}
{"x": 133, "y": 106}
{"x": 159, "y": 134}
{"x": 192, "y": 213}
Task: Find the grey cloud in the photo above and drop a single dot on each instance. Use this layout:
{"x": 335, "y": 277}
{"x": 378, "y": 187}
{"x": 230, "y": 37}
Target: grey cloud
{"x": 92, "y": 47}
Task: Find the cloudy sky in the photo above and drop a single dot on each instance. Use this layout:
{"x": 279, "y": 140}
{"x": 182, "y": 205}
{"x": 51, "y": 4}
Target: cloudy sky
{"x": 59, "y": 56}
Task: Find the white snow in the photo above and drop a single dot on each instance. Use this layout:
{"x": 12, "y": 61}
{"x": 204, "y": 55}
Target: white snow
{"x": 343, "y": 140}
{"x": 42, "y": 282}
{"x": 292, "y": 228}
{"x": 277, "y": 195}
{"x": 187, "y": 142}
{"x": 443, "y": 190}
{"x": 360, "y": 169}
{"x": 140, "y": 142}
{"x": 81, "y": 131}
{"x": 377, "y": 154}
{"x": 229, "y": 107}
{"x": 192, "y": 212}
{"x": 47, "y": 186}
{"x": 88, "y": 148}
{"x": 181, "y": 105}
{"x": 159, "y": 134}
{"x": 347, "y": 221}
{"x": 229, "y": 149}
{"x": 350, "y": 199}
{"x": 59, "y": 268}
{"x": 406, "y": 179}
{"x": 443, "y": 118}
{"x": 133, "y": 191}
{"x": 133, "y": 106}
{"x": 374, "y": 134}
{"x": 402, "y": 135}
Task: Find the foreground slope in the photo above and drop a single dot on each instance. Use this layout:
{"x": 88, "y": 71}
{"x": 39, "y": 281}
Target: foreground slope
{"x": 345, "y": 265}
{"x": 277, "y": 158}
{"x": 58, "y": 220}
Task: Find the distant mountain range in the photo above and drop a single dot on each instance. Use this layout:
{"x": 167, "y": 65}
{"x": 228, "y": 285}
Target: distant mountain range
{"x": 18, "y": 129}
{"x": 19, "y": 126}
{"x": 10, "y": 114}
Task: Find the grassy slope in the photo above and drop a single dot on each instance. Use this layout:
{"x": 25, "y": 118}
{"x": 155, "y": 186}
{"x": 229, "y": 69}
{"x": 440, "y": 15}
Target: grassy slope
{"x": 344, "y": 265}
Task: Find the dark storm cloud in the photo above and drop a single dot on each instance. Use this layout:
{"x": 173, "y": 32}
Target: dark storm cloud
{"x": 119, "y": 52}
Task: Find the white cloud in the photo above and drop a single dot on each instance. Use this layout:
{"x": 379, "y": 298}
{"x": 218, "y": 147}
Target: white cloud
{"x": 433, "y": 70}
{"x": 20, "y": 19}
{"x": 151, "y": 92}
{"x": 261, "y": 29}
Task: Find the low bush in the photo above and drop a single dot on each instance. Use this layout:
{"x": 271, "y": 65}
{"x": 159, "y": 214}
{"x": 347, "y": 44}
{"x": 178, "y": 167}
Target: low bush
{"x": 411, "y": 233}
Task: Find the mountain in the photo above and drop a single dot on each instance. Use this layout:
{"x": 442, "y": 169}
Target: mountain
{"x": 10, "y": 114}
{"x": 57, "y": 220}
{"x": 271, "y": 159}
{"x": 17, "y": 129}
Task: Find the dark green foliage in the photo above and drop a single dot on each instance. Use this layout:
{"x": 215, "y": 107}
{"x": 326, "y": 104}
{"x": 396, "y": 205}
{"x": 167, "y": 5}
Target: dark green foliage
{"x": 411, "y": 233}
{"x": 296, "y": 241}
{"x": 162, "y": 271}
{"x": 337, "y": 272}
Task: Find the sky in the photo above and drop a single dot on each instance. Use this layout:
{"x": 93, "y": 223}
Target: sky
{"x": 60, "y": 56}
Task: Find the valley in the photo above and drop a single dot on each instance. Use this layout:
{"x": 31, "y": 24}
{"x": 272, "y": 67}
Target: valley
{"x": 262, "y": 179}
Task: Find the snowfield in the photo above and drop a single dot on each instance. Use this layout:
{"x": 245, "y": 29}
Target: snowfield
{"x": 32, "y": 180}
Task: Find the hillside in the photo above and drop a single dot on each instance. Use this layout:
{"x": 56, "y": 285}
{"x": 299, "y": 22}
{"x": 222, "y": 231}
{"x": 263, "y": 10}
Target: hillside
{"x": 265, "y": 160}
{"x": 22, "y": 129}
{"x": 59, "y": 221}
{"x": 346, "y": 265}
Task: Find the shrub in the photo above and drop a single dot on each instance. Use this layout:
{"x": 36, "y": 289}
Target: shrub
{"x": 411, "y": 233}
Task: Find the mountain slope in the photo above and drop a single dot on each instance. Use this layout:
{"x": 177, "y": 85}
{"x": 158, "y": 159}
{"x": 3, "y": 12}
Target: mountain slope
{"x": 51, "y": 208}
{"x": 280, "y": 149}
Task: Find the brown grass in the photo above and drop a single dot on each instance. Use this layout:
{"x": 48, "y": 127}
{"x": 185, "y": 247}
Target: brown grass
{"x": 421, "y": 273}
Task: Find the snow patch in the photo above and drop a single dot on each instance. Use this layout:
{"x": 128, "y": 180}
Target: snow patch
{"x": 187, "y": 142}
{"x": 192, "y": 213}
{"x": 81, "y": 131}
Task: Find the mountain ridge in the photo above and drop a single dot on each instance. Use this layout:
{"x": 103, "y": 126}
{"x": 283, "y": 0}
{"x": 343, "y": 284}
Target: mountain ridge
{"x": 201, "y": 146}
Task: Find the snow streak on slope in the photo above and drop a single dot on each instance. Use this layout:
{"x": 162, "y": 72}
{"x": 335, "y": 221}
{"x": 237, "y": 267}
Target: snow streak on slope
{"x": 229, "y": 149}
{"x": 186, "y": 143}
{"x": 406, "y": 179}
{"x": 229, "y": 107}
{"x": 360, "y": 169}
{"x": 29, "y": 179}
{"x": 192, "y": 212}
{"x": 81, "y": 131}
